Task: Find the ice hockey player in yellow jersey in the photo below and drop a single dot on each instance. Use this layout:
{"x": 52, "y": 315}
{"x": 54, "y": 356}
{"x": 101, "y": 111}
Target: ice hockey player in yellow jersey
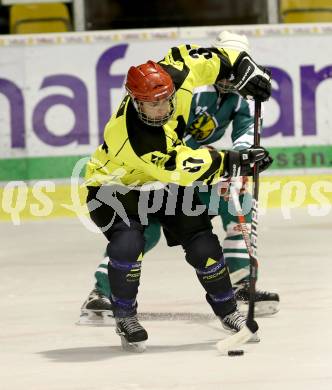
{"x": 130, "y": 174}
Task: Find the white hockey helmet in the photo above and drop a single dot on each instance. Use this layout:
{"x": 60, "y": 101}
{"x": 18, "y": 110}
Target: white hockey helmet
{"x": 228, "y": 40}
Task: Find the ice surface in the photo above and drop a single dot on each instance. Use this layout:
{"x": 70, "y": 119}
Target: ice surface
{"x": 47, "y": 271}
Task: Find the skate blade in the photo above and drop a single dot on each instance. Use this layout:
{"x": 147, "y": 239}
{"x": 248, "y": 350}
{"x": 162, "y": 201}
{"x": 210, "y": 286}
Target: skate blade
{"x": 138, "y": 347}
{"x": 262, "y": 309}
{"x": 91, "y": 318}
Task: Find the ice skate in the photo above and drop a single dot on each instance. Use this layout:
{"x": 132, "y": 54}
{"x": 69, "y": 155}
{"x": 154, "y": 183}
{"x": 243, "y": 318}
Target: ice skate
{"x": 266, "y": 303}
{"x": 132, "y": 333}
{"x": 234, "y": 322}
{"x": 96, "y": 310}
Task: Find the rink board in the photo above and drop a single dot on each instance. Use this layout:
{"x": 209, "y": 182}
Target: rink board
{"x": 55, "y": 100}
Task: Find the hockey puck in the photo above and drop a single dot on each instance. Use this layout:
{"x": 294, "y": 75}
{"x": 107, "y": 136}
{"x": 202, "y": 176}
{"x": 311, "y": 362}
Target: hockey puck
{"x": 236, "y": 352}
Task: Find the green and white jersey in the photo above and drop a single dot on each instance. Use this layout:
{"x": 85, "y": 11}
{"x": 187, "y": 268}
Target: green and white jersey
{"x": 211, "y": 113}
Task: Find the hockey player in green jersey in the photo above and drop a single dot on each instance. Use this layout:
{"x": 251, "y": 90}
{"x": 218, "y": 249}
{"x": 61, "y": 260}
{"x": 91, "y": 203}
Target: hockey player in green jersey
{"x": 213, "y": 109}
{"x": 143, "y": 144}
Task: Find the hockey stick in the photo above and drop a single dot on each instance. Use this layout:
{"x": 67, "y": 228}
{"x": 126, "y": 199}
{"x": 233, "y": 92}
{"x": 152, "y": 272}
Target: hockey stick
{"x": 251, "y": 327}
{"x": 251, "y": 323}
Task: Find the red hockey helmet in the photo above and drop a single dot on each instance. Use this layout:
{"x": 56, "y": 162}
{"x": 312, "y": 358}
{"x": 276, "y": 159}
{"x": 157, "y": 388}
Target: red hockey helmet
{"x": 150, "y": 83}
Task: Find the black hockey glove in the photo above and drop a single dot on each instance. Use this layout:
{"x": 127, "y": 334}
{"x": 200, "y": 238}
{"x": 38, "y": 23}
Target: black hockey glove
{"x": 241, "y": 163}
{"x": 251, "y": 80}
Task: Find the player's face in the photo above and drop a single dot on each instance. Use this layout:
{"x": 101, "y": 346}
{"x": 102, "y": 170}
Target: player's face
{"x": 225, "y": 86}
{"x": 156, "y": 110}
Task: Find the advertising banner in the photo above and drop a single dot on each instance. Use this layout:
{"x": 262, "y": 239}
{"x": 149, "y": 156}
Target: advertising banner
{"x": 57, "y": 92}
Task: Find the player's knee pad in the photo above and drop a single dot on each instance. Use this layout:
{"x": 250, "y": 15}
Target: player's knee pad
{"x": 127, "y": 242}
{"x": 125, "y": 250}
{"x": 201, "y": 247}
{"x": 205, "y": 254}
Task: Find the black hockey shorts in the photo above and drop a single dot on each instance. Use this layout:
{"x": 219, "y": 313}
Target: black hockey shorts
{"x": 107, "y": 206}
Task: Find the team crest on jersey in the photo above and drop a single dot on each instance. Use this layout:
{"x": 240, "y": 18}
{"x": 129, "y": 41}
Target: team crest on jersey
{"x": 203, "y": 127}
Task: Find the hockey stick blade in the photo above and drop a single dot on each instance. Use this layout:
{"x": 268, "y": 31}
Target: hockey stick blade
{"x": 234, "y": 341}
{"x": 239, "y": 338}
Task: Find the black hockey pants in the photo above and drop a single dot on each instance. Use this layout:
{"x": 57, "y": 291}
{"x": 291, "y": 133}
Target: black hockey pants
{"x": 121, "y": 219}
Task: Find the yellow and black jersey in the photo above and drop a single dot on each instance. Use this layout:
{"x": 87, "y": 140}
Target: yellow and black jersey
{"x": 134, "y": 153}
